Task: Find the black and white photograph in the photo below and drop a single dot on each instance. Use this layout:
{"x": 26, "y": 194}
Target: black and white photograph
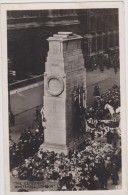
{"x": 64, "y": 95}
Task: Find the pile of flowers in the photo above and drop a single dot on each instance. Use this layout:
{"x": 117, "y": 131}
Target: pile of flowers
{"x": 102, "y": 129}
{"x": 15, "y": 155}
{"x": 28, "y": 145}
{"x": 89, "y": 167}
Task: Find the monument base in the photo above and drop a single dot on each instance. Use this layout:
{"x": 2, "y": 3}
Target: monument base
{"x": 62, "y": 148}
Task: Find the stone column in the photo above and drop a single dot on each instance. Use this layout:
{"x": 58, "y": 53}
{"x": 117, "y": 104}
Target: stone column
{"x": 64, "y": 70}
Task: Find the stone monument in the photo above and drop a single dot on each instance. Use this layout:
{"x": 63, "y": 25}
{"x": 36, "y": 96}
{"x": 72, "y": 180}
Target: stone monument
{"x": 64, "y": 79}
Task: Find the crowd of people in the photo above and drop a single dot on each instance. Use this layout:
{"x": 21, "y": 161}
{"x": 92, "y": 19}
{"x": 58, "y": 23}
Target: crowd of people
{"x": 87, "y": 168}
{"x": 102, "y": 60}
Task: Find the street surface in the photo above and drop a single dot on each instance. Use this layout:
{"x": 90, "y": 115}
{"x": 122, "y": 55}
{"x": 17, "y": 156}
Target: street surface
{"x": 33, "y": 97}
{"x": 23, "y": 104}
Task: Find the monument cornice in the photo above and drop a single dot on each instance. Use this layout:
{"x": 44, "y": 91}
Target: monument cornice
{"x": 61, "y": 38}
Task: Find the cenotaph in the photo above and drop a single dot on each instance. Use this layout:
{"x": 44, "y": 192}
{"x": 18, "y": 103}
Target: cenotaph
{"x": 64, "y": 72}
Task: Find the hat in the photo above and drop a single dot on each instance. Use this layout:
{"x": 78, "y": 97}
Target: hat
{"x": 37, "y": 130}
{"x": 64, "y": 188}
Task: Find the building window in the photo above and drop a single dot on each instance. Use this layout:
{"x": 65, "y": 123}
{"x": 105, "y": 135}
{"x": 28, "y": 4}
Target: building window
{"x": 116, "y": 21}
{"x": 99, "y": 43}
{"x": 105, "y": 22}
{"x": 92, "y": 24}
{"x": 111, "y": 21}
{"x": 99, "y": 23}
{"x": 111, "y": 40}
{"x": 105, "y": 42}
{"x": 94, "y": 44}
{"x": 85, "y": 48}
{"x": 116, "y": 39}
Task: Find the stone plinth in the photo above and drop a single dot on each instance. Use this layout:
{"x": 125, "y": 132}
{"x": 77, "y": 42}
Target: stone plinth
{"x": 64, "y": 70}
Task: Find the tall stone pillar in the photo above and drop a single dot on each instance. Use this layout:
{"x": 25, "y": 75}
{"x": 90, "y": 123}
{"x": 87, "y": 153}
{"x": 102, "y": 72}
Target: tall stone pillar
{"x": 64, "y": 71}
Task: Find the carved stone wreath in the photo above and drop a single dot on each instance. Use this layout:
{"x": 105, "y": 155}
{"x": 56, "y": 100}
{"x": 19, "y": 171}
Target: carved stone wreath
{"x": 55, "y": 85}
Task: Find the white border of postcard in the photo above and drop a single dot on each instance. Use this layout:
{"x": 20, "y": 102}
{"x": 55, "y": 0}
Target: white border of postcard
{"x": 80, "y": 5}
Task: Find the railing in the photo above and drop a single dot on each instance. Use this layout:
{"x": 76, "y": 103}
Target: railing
{"x": 26, "y": 82}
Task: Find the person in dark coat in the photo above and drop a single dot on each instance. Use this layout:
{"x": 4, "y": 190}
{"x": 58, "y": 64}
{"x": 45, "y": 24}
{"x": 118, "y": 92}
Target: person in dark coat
{"x": 102, "y": 175}
{"x": 114, "y": 175}
{"x": 11, "y": 119}
{"x": 101, "y": 66}
{"x": 109, "y": 137}
{"x": 115, "y": 138}
{"x": 96, "y": 91}
{"x": 92, "y": 135}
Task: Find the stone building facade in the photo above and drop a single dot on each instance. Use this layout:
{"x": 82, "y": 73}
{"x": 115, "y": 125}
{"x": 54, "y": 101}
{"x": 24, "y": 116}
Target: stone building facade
{"x": 28, "y": 31}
